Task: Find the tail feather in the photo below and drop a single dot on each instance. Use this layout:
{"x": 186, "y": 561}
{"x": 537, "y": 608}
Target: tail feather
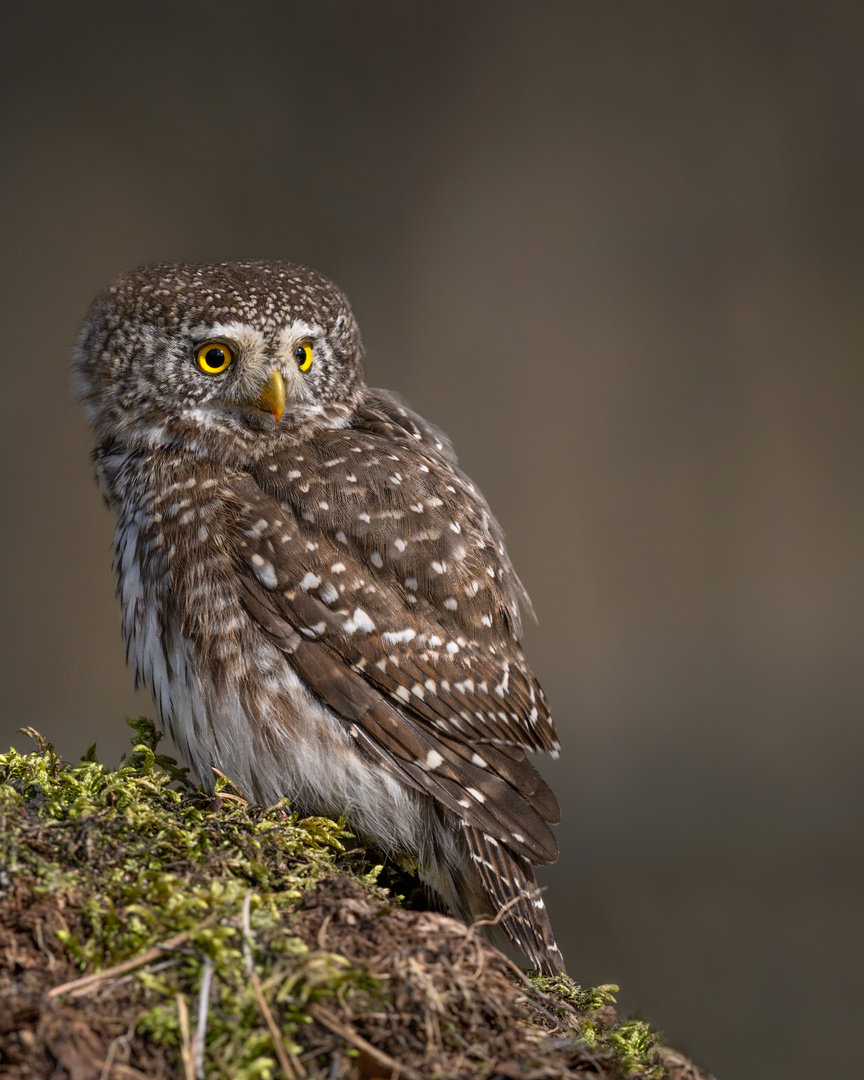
{"x": 512, "y": 888}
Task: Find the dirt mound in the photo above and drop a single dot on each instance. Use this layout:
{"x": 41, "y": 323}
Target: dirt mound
{"x": 152, "y": 932}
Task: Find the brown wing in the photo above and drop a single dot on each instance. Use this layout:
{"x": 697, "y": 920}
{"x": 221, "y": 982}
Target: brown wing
{"x": 379, "y": 570}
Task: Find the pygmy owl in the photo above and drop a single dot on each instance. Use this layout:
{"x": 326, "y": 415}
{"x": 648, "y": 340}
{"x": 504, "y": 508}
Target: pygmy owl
{"x": 319, "y": 599}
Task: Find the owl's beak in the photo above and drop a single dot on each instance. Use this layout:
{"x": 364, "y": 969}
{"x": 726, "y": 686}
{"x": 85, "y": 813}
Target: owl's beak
{"x": 272, "y": 396}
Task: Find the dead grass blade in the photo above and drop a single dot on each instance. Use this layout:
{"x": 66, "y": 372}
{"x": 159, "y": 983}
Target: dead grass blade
{"x": 347, "y": 1032}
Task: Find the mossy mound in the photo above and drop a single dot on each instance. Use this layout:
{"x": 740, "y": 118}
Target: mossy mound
{"x": 148, "y": 930}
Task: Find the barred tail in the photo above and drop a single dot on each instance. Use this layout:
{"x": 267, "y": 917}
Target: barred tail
{"x": 509, "y": 880}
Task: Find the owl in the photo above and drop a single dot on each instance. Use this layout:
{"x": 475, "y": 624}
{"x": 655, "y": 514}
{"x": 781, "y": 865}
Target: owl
{"x": 318, "y": 597}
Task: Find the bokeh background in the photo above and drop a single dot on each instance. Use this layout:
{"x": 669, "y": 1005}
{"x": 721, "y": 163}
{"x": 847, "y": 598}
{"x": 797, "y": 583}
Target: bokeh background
{"x": 615, "y": 250}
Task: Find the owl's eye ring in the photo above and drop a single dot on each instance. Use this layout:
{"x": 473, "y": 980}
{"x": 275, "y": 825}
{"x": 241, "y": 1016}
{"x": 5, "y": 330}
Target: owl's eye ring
{"x": 304, "y": 355}
{"x": 214, "y": 357}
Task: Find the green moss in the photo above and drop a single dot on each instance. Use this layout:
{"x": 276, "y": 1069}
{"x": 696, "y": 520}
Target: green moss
{"x": 142, "y": 858}
{"x": 562, "y": 988}
{"x": 152, "y": 860}
{"x": 630, "y": 1043}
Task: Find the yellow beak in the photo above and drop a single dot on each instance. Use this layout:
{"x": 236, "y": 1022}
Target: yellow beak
{"x": 272, "y": 396}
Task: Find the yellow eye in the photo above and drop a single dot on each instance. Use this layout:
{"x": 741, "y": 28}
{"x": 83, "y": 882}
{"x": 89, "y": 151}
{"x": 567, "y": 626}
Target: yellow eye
{"x": 214, "y": 357}
{"x": 303, "y": 356}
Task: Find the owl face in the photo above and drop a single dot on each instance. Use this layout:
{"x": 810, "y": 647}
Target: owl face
{"x": 185, "y": 355}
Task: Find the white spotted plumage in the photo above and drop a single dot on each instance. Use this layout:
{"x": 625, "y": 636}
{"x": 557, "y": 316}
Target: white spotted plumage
{"x": 320, "y": 601}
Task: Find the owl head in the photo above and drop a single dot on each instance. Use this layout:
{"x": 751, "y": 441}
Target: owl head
{"x": 217, "y": 359}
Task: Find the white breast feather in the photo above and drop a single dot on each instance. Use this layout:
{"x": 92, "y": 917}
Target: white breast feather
{"x": 315, "y": 763}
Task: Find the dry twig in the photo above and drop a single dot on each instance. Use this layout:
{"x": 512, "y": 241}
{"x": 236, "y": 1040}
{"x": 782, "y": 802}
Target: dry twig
{"x": 347, "y": 1032}
{"x": 203, "y": 1007}
{"x": 185, "y": 1041}
{"x": 86, "y": 983}
{"x": 289, "y": 1062}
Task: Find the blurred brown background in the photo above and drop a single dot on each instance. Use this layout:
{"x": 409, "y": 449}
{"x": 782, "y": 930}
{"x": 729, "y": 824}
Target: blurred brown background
{"x": 615, "y": 251}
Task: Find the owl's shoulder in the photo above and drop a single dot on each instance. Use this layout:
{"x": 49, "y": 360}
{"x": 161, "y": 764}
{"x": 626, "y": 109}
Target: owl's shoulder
{"x": 385, "y": 459}
{"x": 385, "y": 413}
